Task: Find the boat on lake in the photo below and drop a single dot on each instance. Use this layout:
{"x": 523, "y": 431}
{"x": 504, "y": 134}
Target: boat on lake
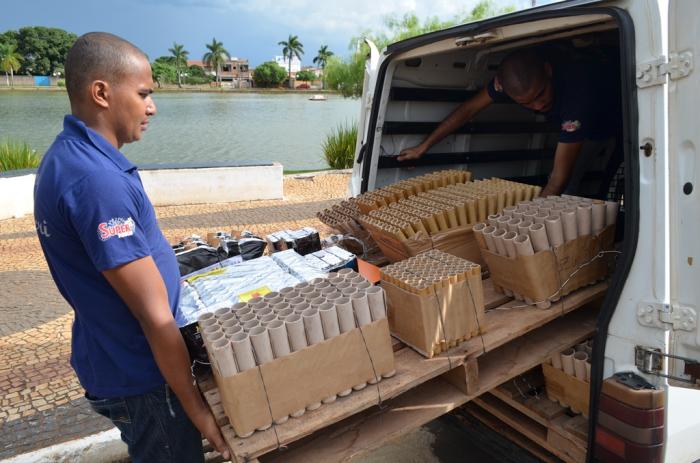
{"x": 318, "y": 98}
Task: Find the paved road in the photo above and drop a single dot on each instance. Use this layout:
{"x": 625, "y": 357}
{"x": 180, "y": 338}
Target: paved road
{"x": 41, "y": 401}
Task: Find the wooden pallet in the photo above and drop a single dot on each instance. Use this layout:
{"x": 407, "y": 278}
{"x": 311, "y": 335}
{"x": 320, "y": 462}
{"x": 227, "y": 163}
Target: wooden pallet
{"x": 538, "y": 420}
{"x": 513, "y": 342}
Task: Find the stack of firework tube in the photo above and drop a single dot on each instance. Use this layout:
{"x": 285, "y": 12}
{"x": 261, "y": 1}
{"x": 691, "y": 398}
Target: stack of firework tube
{"x": 447, "y": 208}
{"x": 435, "y": 301}
{"x": 255, "y": 334}
{"x": 567, "y": 377}
{"x": 345, "y": 215}
{"x": 560, "y": 233}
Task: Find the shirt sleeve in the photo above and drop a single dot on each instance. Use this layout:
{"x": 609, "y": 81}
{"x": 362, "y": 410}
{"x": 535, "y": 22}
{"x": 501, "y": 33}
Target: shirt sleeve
{"x": 105, "y": 212}
{"x": 497, "y": 95}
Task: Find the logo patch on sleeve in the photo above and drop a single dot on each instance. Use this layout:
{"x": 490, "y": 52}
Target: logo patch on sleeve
{"x": 118, "y": 226}
{"x": 570, "y": 126}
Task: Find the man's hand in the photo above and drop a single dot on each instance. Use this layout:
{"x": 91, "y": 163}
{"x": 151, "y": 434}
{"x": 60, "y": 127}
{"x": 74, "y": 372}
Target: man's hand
{"x": 205, "y": 422}
{"x": 564, "y": 161}
{"x": 411, "y": 153}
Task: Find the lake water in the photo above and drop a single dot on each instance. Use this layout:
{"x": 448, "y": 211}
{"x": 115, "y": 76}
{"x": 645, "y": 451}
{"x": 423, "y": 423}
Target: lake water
{"x": 200, "y": 127}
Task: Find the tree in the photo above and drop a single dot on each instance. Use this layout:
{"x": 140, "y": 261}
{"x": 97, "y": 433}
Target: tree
{"x": 196, "y": 75}
{"x": 43, "y": 49}
{"x": 346, "y": 76}
{"x": 269, "y": 74}
{"x": 180, "y": 54}
{"x": 216, "y": 56}
{"x": 291, "y": 48}
{"x": 10, "y": 60}
{"x": 163, "y": 72}
{"x": 322, "y": 59}
{"x": 306, "y": 76}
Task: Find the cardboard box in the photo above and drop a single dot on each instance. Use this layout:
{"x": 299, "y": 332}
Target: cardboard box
{"x": 566, "y": 389}
{"x": 253, "y": 398}
{"x": 539, "y": 276}
{"x": 459, "y": 242}
{"x": 435, "y": 322}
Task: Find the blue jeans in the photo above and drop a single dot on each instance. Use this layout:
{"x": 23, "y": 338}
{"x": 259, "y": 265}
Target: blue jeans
{"x": 154, "y": 426}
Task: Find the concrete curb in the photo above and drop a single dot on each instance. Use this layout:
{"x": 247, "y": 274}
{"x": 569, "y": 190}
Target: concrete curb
{"x": 104, "y": 447}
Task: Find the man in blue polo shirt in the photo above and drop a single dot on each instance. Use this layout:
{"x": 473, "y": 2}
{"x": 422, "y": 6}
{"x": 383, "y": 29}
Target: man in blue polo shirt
{"x": 583, "y": 98}
{"x": 111, "y": 262}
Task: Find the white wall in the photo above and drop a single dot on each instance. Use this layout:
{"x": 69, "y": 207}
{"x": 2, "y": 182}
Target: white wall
{"x": 169, "y": 187}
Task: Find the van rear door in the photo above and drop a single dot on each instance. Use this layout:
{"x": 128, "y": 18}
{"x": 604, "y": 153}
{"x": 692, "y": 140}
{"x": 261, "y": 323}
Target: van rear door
{"x": 684, "y": 173}
{"x": 370, "y": 80}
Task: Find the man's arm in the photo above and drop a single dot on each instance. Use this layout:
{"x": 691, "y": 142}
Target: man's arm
{"x": 459, "y": 116}
{"x": 564, "y": 161}
{"x": 141, "y": 286}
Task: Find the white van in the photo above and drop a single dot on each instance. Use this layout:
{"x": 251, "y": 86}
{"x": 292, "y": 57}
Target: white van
{"x": 647, "y": 329}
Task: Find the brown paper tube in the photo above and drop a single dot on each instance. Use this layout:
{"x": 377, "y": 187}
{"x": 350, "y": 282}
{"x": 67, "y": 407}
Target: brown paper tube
{"x": 524, "y": 205}
{"x": 343, "y": 285}
{"x": 556, "y": 361}
{"x": 498, "y": 241}
{"x": 229, "y": 323}
{"x": 312, "y": 295}
{"x": 509, "y": 242}
{"x": 524, "y": 227}
{"x": 487, "y": 233}
{"x": 249, "y": 325}
{"x": 312, "y": 326}
{"x": 346, "y": 272}
{"x": 230, "y": 331}
{"x": 222, "y": 311}
{"x": 206, "y": 319}
{"x": 598, "y": 217}
{"x": 441, "y": 220}
{"x": 493, "y": 219}
{"x": 472, "y": 214}
{"x": 538, "y": 235}
{"x": 283, "y": 314}
{"x": 540, "y": 216}
{"x": 271, "y": 295}
{"x": 361, "y": 307}
{"x": 348, "y": 292}
{"x": 583, "y": 219}
{"x": 241, "y": 309}
{"x": 223, "y": 357}
{"x": 243, "y": 350}
{"x": 492, "y": 203}
{"x": 263, "y": 312}
{"x": 523, "y": 246}
{"x": 267, "y": 319}
{"x": 580, "y": 365}
{"x": 555, "y": 231}
{"x": 375, "y": 297}
{"x": 255, "y": 300}
{"x": 567, "y": 361}
{"x": 277, "y": 308}
{"x": 500, "y": 200}
{"x": 512, "y": 224}
{"x": 462, "y": 215}
{"x": 260, "y": 339}
{"x": 588, "y": 371}
{"x": 332, "y": 297}
{"x": 611, "y": 208}
{"x": 363, "y": 286}
{"x": 257, "y": 306}
{"x": 482, "y": 209}
{"x": 295, "y": 329}
{"x": 346, "y": 316}
{"x": 509, "y": 211}
{"x": 569, "y": 225}
{"x": 317, "y": 301}
{"x": 285, "y": 292}
{"x": 247, "y": 317}
{"x": 478, "y": 230}
{"x": 329, "y": 320}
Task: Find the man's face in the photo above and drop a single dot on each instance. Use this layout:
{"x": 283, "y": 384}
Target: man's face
{"x": 132, "y": 103}
{"x": 540, "y": 96}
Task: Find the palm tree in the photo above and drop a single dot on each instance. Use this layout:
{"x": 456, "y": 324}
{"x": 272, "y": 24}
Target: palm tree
{"x": 10, "y": 61}
{"x": 291, "y": 48}
{"x": 180, "y": 54}
{"x": 322, "y": 59}
{"x": 215, "y": 57}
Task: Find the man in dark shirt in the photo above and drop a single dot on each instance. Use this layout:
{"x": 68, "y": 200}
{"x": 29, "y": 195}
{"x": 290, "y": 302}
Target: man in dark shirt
{"x": 111, "y": 262}
{"x": 582, "y": 98}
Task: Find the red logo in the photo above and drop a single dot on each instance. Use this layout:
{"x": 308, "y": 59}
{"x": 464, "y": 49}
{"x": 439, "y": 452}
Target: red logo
{"x": 118, "y": 227}
{"x": 570, "y": 126}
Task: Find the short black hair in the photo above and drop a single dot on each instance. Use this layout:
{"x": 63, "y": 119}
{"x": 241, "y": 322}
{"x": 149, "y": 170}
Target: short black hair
{"x": 520, "y": 71}
{"x": 97, "y": 55}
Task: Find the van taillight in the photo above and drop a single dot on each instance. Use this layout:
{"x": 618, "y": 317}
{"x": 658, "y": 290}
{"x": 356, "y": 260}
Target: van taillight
{"x": 630, "y": 425}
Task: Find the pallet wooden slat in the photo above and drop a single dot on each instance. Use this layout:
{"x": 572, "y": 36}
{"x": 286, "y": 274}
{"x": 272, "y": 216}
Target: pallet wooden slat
{"x": 501, "y": 326}
{"x": 372, "y": 428}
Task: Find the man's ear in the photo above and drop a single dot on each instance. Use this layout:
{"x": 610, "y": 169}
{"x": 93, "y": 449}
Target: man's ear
{"x": 100, "y": 93}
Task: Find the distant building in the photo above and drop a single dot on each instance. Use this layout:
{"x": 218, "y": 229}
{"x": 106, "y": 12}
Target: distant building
{"x": 284, "y": 62}
{"x": 234, "y": 71}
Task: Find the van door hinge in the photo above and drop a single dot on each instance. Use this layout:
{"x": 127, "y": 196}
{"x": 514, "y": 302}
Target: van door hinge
{"x": 654, "y": 72}
{"x": 667, "y": 316}
{"x": 653, "y": 362}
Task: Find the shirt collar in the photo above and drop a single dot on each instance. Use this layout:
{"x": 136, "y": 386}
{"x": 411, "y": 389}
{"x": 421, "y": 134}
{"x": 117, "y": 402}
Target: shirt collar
{"x": 72, "y": 126}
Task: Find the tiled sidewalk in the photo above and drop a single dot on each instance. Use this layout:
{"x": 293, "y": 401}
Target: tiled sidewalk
{"x": 41, "y": 402}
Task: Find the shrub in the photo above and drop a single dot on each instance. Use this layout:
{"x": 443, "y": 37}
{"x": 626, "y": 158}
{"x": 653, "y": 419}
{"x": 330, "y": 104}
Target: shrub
{"x": 61, "y": 83}
{"x": 269, "y": 74}
{"x": 339, "y": 146}
{"x": 17, "y": 155}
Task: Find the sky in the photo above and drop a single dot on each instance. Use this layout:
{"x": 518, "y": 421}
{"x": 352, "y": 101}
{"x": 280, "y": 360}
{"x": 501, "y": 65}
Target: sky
{"x": 249, "y": 29}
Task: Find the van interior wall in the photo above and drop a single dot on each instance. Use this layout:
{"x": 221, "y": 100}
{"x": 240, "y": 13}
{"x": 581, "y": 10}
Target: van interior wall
{"x": 506, "y": 140}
